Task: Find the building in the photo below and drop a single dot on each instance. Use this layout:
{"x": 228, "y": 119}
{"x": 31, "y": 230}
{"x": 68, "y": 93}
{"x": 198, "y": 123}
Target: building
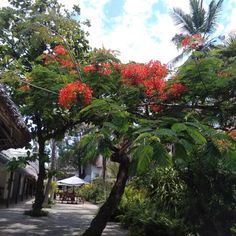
{"x": 94, "y": 169}
{"x": 18, "y": 183}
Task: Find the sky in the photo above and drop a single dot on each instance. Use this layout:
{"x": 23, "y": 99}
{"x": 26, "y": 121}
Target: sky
{"x": 141, "y": 30}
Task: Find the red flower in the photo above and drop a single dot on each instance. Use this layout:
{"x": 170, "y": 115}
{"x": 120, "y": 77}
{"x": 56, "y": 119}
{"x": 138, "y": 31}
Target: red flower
{"x": 134, "y": 74}
{"x": 89, "y": 68}
{"x": 68, "y": 95}
{"x": 105, "y": 69}
{"x": 177, "y": 90}
{"x": 65, "y": 63}
{"x": 155, "y": 85}
{"x": 193, "y": 41}
{"x": 117, "y": 66}
{"x": 186, "y": 41}
{"x": 60, "y": 50}
{"x": 155, "y": 107}
{"x": 24, "y": 88}
{"x": 197, "y": 36}
{"x": 156, "y": 69}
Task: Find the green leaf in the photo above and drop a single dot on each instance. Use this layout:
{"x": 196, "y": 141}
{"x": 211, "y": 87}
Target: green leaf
{"x": 187, "y": 145}
{"x": 196, "y": 135}
{"x": 178, "y": 127}
{"x": 229, "y": 160}
{"x": 180, "y": 155}
{"x": 161, "y": 155}
{"x": 120, "y": 120}
{"x": 145, "y": 136}
{"x": 143, "y": 155}
{"x": 166, "y": 134}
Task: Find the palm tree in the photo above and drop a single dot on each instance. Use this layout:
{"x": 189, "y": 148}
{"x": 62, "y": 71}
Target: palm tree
{"x": 199, "y": 21}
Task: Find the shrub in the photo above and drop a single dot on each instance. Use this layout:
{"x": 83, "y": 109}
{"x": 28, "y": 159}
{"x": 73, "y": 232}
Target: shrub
{"x": 151, "y": 204}
{"x": 97, "y": 191}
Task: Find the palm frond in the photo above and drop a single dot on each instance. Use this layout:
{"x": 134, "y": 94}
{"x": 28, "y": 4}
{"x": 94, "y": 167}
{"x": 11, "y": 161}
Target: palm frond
{"x": 198, "y": 15}
{"x": 213, "y": 13}
{"x": 177, "y": 39}
{"x": 230, "y": 46}
{"x": 184, "y": 20}
{"x": 184, "y": 53}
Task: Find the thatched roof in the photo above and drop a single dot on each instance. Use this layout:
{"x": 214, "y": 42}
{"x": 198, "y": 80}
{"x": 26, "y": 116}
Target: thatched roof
{"x": 13, "y": 132}
{"x": 31, "y": 169}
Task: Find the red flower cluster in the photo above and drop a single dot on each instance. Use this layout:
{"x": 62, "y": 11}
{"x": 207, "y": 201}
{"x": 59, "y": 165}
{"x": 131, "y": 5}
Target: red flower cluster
{"x": 89, "y": 68}
{"x": 155, "y": 68}
{"x": 155, "y": 108}
{"x": 154, "y": 85}
{"x": 134, "y": 74}
{"x": 197, "y": 36}
{"x": 117, "y": 66}
{"x": 60, "y": 50}
{"x": 61, "y": 56}
{"x": 105, "y": 69}
{"x": 177, "y": 90}
{"x": 150, "y": 75}
{"x": 24, "y": 88}
{"x": 65, "y": 62}
{"x": 186, "y": 41}
{"x": 102, "y": 69}
{"x": 193, "y": 41}
{"x": 68, "y": 95}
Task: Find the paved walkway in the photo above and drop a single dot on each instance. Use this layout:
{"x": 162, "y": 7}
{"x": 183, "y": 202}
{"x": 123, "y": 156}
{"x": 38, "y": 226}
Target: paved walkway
{"x": 63, "y": 219}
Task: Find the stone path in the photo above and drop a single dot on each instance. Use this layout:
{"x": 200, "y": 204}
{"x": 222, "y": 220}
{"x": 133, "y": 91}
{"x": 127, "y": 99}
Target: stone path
{"x": 63, "y": 219}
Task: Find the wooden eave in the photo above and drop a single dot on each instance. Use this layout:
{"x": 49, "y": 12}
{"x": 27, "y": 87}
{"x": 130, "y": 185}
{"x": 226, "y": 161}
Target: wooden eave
{"x": 13, "y": 132}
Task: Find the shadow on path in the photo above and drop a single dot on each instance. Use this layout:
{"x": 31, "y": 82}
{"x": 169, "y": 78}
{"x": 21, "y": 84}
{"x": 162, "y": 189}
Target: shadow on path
{"x": 63, "y": 219}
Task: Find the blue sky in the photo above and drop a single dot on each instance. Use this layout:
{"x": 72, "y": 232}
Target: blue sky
{"x": 140, "y": 29}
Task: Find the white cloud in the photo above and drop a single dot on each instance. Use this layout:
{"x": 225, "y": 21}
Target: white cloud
{"x": 183, "y": 4}
{"x": 231, "y": 26}
{"x": 132, "y": 35}
{"x": 4, "y": 3}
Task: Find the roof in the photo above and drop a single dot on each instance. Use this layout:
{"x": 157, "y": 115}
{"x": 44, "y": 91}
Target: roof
{"x": 31, "y": 169}
{"x": 13, "y": 131}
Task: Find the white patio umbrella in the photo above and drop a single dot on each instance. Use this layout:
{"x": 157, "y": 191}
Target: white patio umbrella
{"x": 72, "y": 181}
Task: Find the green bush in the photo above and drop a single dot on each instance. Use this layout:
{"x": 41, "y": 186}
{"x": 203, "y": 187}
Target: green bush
{"x": 97, "y": 191}
{"x": 209, "y": 206}
{"x": 150, "y": 205}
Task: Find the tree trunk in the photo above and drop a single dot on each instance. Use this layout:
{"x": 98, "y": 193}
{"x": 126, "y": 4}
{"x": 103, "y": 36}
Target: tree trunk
{"x": 99, "y": 222}
{"x": 39, "y": 194}
{"x": 104, "y": 168}
{"x": 50, "y": 175}
{"x": 48, "y": 188}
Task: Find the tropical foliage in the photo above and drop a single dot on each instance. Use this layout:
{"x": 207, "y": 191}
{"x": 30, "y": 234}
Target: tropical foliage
{"x": 176, "y": 133}
{"x": 27, "y": 30}
{"x": 96, "y": 192}
{"x": 197, "y": 27}
{"x": 151, "y": 204}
